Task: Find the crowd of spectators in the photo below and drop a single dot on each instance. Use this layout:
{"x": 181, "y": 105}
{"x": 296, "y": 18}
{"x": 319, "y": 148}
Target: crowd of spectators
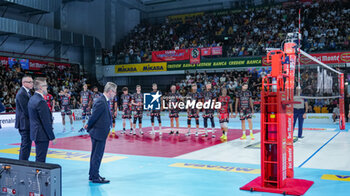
{"x": 58, "y": 78}
{"x": 325, "y": 27}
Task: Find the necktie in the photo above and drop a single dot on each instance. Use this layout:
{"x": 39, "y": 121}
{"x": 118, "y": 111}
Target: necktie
{"x": 29, "y": 94}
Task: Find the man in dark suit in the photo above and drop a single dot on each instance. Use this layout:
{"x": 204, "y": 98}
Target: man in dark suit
{"x": 22, "y": 118}
{"x": 98, "y": 127}
{"x": 41, "y": 130}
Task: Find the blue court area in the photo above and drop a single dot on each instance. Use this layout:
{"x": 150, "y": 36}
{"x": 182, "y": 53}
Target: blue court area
{"x": 217, "y": 170}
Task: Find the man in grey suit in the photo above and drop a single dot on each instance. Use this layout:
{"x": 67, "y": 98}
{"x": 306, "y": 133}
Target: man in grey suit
{"x": 22, "y": 117}
{"x": 98, "y": 127}
{"x": 41, "y": 130}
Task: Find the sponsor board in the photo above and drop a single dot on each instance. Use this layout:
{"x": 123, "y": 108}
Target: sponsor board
{"x": 140, "y": 67}
{"x": 171, "y": 55}
{"x": 215, "y": 64}
{"x": 8, "y": 120}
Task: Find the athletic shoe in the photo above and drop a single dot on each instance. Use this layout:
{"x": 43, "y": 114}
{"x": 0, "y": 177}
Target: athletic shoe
{"x": 141, "y": 132}
{"x": 134, "y": 133}
{"x": 243, "y": 137}
{"x": 196, "y": 134}
{"x": 160, "y": 133}
{"x": 188, "y": 133}
{"x": 171, "y": 132}
{"x": 177, "y": 133}
{"x": 130, "y": 132}
{"x": 152, "y": 133}
{"x": 213, "y": 136}
{"x": 205, "y": 135}
{"x": 223, "y": 137}
{"x": 252, "y": 136}
{"x": 81, "y": 130}
{"x": 113, "y": 130}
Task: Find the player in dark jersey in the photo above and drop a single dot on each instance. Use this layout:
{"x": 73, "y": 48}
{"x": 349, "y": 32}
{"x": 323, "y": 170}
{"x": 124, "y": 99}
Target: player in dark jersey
{"x": 224, "y": 113}
{"x": 208, "y": 95}
{"x": 173, "y": 98}
{"x": 244, "y": 105}
{"x": 156, "y": 112}
{"x": 113, "y": 106}
{"x": 50, "y": 101}
{"x": 137, "y": 102}
{"x": 126, "y": 105}
{"x": 95, "y": 95}
{"x": 65, "y": 108}
{"x": 85, "y": 101}
{"x": 193, "y": 112}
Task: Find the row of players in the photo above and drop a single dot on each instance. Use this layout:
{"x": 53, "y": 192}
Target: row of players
{"x": 132, "y": 109}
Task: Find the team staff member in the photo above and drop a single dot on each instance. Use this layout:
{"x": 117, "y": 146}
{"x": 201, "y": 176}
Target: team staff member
{"x": 40, "y": 117}
{"x": 22, "y": 117}
{"x": 98, "y": 127}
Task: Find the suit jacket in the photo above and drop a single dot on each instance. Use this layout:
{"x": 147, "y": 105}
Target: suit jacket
{"x": 101, "y": 119}
{"x": 40, "y": 119}
{"x": 22, "y": 118}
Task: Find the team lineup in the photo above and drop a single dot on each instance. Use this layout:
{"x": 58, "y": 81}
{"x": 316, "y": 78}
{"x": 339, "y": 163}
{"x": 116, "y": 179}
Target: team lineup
{"x": 132, "y": 109}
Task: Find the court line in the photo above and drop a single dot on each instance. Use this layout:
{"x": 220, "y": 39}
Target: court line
{"x": 318, "y": 150}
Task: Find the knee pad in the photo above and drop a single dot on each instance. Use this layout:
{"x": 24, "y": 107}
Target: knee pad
{"x": 188, "y": 121}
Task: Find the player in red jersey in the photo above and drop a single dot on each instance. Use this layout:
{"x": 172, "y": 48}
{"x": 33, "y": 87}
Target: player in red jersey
{"x": 137, "y": 102}
{"x": 50, "y": 101}
{"x": 224, "y": 113}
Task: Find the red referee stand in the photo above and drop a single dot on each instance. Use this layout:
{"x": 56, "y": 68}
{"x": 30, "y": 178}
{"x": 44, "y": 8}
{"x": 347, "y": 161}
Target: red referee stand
{"x": 277, "y": 174}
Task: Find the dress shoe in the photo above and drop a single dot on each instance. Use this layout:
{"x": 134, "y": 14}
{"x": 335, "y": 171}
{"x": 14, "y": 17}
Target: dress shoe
{"x": 100, "y": 181}
{"x": 90, "y": 178}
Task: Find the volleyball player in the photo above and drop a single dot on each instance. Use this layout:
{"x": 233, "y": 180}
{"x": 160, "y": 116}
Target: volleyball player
{"x": 127, "y": 111}
{"x": 244, "y": 103}
{"x": 86, "y": 101}
{"x": 193, "y": 112}
{"x": 156, "y": 112}
{"x": 66, "y": 108}
{"x": 209, "y": 95}
{"x": 174, "y": 98}
{"x": 137, "y": 102}
{"x": 224, "y": 113}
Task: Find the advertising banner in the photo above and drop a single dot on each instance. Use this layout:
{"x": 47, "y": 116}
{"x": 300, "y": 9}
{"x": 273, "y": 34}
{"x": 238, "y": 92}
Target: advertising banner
{"x": 170, "y": 55}
{"x": 141, "y": 67}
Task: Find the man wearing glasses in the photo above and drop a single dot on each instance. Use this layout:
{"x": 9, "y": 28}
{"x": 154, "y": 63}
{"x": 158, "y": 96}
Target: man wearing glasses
{"x": 22, "y": 117}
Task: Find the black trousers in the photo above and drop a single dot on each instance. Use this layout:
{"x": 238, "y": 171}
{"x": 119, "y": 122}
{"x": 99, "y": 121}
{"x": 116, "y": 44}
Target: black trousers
{"x": 41, "y": 151}
{"x": 26, "y": 145}
{"x": 98, "y": 148}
